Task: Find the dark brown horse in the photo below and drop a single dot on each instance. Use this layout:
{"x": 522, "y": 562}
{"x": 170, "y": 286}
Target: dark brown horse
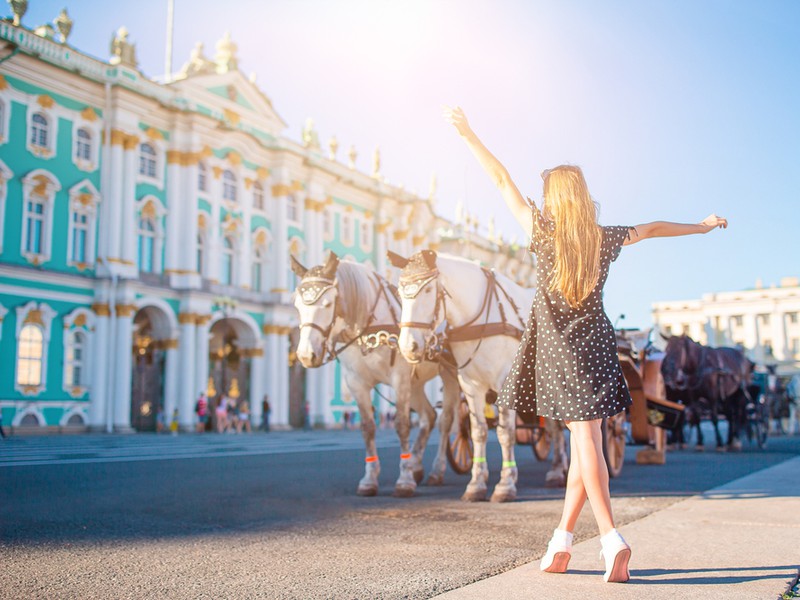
{"x": 715, "y": 378}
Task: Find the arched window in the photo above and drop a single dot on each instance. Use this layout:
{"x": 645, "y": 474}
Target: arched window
{"x": 34, "y": 225}
{"x": 229, "y": 186}
{"x": 39, "y": 130}
{"x": 202, "y": 177}
{"x": 146, "y": 244}
{"x": 83, "y": 145}
{"x": 258, "y": 196}
{"x": 75, "y": 360}
{"x": 228, "y": 260}
{"x": 327, "y": 224}
{"x": 29, "y": 355}
{"x": 147, "y": 160}
{"x": 366, "y": 235}
{"x": 347, "y": 230}
{"x": 292, "y": 208}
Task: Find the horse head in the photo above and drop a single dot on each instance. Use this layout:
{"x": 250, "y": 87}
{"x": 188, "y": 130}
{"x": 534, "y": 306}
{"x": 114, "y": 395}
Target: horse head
{"x": 315, "y": 299}
{"x": 681, "y": 361}
{"x": 422, "y": 303}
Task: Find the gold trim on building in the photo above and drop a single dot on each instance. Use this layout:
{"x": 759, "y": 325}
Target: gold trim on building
{"x": 131, "y": 142}
{"x": 101, "y": 309}
{"x": 281, "y": 189}
{"x": 231, "y": 116}
{"x": 217, "y": 172}
{"x": 35, "y": 317}
{"x": 45, "y": 101}
{"x": 400, "y": 235}
{"x": 89, "y": 114}
{"x": 234, "y": 158}
{"x": 418, "y": 239}
{"x": 382, "y": 227}
{"x": 262, "y": 172}
{"x": 154, "y": 134}
{"x": 3, "y": 82}
{"x": 118, "y": 137}
{"x": 187, "y": 318}
{"x": 170, "y": 344}
{"x": 175, "y": 157}
{"x": 252, "y": 352}
{"x": 203, "y": 319}
{"x": 125, "y": 310}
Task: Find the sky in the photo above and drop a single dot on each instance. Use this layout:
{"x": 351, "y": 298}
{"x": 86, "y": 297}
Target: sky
{"x": 674, "y": 109}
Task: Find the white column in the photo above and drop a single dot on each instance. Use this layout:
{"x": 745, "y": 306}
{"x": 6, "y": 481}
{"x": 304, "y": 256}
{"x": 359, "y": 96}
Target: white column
{"x": 128, "y": 214}
{"x": 201, "y": 354}
{"x": 175, "y": 218}
{"x": 214, "y": 242}
{"x": 186, "y": 389}
{"x": 779, "y": 342}
{"x": 273, "y": 388}
{"x": 188, "y": 228}
{"x": 282, "y": 360}
{"x": 315, "y": 409}
{"x": 110, "y": 235}
{"x": 171, "y": 368}
{"x": 280, "y": 193}
{"x": 122, "y": 367}
{"x": 99, "y": 392}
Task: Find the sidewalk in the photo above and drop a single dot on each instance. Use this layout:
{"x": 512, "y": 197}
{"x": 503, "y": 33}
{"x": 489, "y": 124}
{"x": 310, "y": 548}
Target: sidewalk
{"x": 737, "y": 541}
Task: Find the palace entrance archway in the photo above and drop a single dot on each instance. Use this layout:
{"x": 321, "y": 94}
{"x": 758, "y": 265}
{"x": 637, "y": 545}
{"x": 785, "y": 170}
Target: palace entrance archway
{"x": 150, "y": 331}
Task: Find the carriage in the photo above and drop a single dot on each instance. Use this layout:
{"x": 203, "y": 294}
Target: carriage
{"x": 646, "y": 421}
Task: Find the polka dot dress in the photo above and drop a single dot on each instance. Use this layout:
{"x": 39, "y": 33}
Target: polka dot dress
{"x": 566, "y": 366}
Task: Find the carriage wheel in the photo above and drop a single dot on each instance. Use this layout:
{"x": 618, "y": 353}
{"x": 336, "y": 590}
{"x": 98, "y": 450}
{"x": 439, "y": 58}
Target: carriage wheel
{"x": 541, "y": 442}
{"x": 459, "y": 445}
{"x": 614, "y": 442}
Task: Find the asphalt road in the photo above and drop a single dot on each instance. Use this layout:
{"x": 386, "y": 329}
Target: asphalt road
{"x": 276, "y": 516}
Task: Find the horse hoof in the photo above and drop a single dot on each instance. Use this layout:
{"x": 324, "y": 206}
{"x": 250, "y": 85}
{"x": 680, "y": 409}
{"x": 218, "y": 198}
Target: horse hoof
{"x": 419, "y": 475}
{"x": 503, "y": 497}
{"x": 367, "y": 490}
{"x": 700, "y": 448}
{"x": 721, "y": 449}
{"x": 403, "y": 491}
{"x": 435, "y": 479}
{"x": 474, "y": 496}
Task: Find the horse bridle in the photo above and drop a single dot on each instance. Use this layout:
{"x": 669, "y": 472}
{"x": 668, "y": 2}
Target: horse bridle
{"x": 409, "y": 287}
{"x": 310, "y": 295}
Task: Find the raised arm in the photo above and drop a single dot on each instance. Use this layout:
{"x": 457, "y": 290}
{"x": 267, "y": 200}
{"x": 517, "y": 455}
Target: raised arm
{"x": 493, "y": 167}
{"x": 667, "y": 229}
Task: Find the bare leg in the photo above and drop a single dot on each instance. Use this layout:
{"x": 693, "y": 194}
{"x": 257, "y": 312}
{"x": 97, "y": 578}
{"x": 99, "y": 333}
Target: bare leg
{"x": 593, "y": 470}
{"x": 575, "y": 496}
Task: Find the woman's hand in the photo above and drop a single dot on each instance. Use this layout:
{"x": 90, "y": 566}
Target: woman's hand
{"x": 712, "y": 221}
{"x": 458, "y": 119}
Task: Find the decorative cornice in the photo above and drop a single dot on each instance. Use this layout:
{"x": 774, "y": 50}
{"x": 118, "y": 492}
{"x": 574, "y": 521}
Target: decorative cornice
{"x": 418, "y": 239}
{"x": 382, "y": 227}
{"x": 203, "y": 319}
{"x": 175, "y": 157}
{"x": 281, "y": 189}
{"x": 276, "y": 329}
{"x": 400, "y": 235}
{"x": 187, "y": 318}
{"x": 131, "y": 142}
{"x": 170, "y": 344}
{"x": 154, "y": 134}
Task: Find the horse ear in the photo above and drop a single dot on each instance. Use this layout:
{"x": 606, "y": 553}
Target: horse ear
{"x": 396, "y": 260}
{"x": 297, "y": 267}
{"x": 331, "y": 264}
{"x": 430, "y": 258}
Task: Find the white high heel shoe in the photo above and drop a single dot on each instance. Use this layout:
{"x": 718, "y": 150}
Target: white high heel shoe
{"x": 617, "y": 554}
{"x": 559, "y": 551}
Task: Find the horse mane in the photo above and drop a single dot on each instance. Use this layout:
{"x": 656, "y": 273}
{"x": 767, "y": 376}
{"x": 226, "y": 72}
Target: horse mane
{"x": 356, "y": 293}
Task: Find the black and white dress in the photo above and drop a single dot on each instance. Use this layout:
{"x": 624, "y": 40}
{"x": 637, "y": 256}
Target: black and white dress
{"x": 566, "y": 366}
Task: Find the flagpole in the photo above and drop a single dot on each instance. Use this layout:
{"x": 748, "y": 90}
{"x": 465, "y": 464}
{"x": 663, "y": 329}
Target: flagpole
{"x": 170, "y": 27}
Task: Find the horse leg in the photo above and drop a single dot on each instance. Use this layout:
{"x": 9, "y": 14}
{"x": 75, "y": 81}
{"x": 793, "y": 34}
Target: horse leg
{"x": 557, "y": 475}
{"x": 368, "y": 486}
{"x": 736, "y": 410}
{"x": 696, "y": 422}
{"x": 715, "y": 421}
{"x": 506, "y": 488}
{"x": 477, "y": 488}
{"x": 427, "y": 420}
{"x": 406, "y": 485}
{"x": 450, "y": 401}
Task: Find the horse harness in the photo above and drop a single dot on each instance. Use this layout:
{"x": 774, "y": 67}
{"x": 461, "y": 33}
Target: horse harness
{"x": 414, "y": 280}
{"x": 371, "y": 336}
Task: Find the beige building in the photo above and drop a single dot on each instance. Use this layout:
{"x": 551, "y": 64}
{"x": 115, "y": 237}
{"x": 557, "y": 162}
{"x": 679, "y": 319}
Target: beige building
{"x": 763, "y": 321}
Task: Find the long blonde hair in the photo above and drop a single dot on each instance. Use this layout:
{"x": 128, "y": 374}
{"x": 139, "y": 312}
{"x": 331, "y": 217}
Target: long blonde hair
{"x": 575, "y": 232}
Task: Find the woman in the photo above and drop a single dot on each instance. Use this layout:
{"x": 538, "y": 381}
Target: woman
{"x": 566, "y": 367}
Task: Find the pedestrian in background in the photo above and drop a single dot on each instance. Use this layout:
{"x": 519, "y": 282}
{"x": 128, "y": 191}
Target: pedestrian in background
{"x": 201, "y": 410}
{"x": 243, "y": 417}
{"x": 173, "y": 426}
{"x": 566, "y": 367}
{"x": 221, "y": 413}
{"x": 265, "y": 408}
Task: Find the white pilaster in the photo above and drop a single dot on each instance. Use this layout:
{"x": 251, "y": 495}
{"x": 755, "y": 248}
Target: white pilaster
{"x": 256, "y": 387}
{"x": 175, "y": 218}
{"x": 171, "y": 369}
{"x": 214, "y": 241}
{"x": 201, "y": 355}
{"x": 123, "y": 349}
{"x": 128, "y": 215}
{"x": 110, "y": 234}
{"x": 280, "y": 194}
{"x": 186, "y": 389}
{"x": 100, "y": 367}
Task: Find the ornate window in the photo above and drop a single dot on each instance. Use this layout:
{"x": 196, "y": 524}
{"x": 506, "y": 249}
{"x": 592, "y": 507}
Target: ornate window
{"x": 148, "y": 161}
{"x": 365, "y": 235}
{"x": 258, "y": 196}
{"x": 75, "y": 360}
{"x": 202, "y": 177}
{"x": 292, "y": 208}
{"x": 83, "y": 200}
{"x": 146, "y": 233}
{"x": 227, "y": 272}
{"x": 33, "y": 335}
{"x": 40, "y": 131}
{"x": 201, "y": 250}
{"x": 38, "y": 195}
{"x": 83, "y": 145}
{"x": 347, "y": 229}
{"x": 30, "y": 353}
{"x": 229, "y": 191}
{"x": 260, "y": 262}
{"x": 327, "y": 224}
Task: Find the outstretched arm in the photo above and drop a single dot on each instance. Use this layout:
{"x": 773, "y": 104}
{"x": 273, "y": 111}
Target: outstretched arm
{"x": 667, "y": 229}
{"x": 493, "y": 167}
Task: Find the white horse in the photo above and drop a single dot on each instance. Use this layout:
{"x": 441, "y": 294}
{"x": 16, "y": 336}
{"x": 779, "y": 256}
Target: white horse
{"x": 483, "y": 323}
{"x": 348, "y": 304}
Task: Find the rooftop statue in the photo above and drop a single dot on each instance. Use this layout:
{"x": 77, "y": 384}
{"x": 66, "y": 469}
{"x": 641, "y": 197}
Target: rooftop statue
{"x": 198, "y": 64}
{"x": 226, "y": 54}
{"x": 123, "y": 52}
